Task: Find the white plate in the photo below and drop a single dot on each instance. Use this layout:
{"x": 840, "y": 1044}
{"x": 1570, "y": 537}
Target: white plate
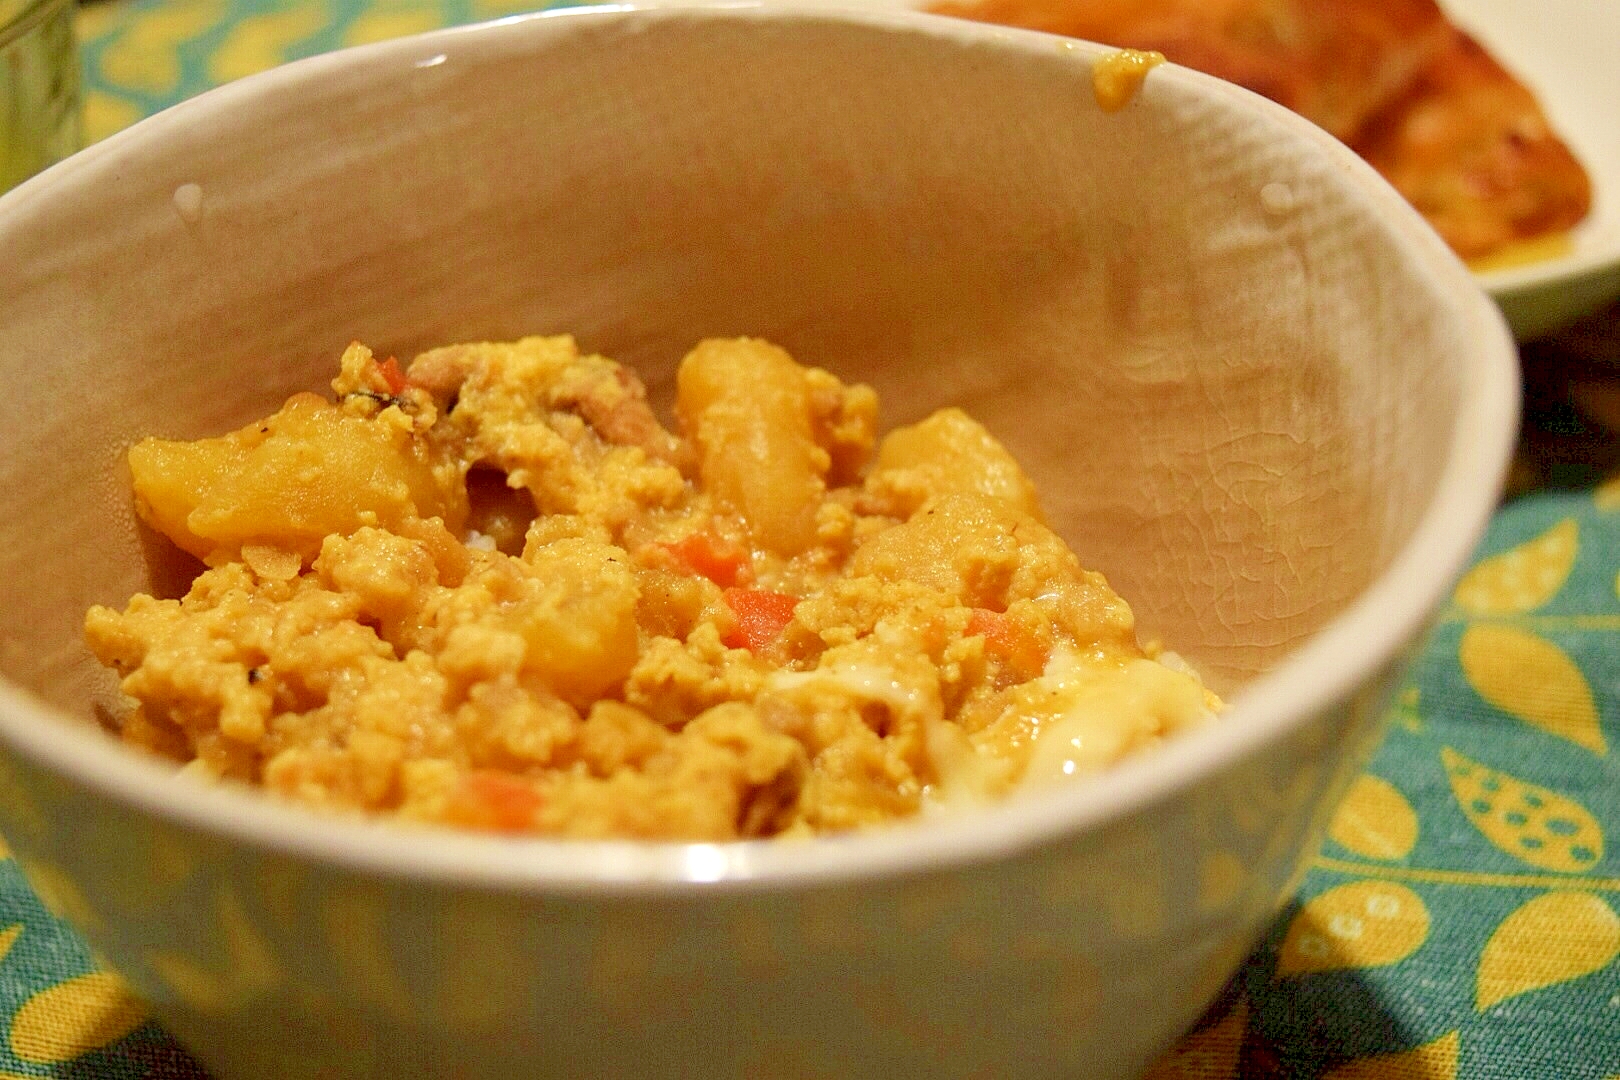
{"x": 1565, "y": 50}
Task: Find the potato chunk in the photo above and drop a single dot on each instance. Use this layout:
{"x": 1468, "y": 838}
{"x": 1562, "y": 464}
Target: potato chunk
{"x": 949, "y": 453}
{"x": 580, "y": 622}
{"x": 307, "y": 472}
{"x": 747, "y": 406}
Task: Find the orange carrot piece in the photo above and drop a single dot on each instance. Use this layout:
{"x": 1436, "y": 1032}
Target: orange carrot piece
{"x": 721, "y": 561}
{"x": 1008, "y": 641}
{"x": 393, "y": 376}
{"x": 762, "y": 615}
{"x": 496, "y": 800}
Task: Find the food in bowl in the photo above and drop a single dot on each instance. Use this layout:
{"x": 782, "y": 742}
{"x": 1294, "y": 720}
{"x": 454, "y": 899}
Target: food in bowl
{"x": 493, "y": 590}
{"x": 1452, "y": 129}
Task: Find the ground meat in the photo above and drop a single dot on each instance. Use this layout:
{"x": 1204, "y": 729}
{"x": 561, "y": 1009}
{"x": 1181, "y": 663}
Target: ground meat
{"x": 493, "y": 591}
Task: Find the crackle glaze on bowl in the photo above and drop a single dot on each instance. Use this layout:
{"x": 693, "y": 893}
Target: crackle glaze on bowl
{"x": 1251, "y": 385}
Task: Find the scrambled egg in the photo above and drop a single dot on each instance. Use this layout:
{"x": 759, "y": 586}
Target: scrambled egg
{"x": 494, "y": 591}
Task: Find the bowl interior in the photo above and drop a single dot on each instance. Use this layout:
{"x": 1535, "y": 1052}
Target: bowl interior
{"x": 1232, "y": 361}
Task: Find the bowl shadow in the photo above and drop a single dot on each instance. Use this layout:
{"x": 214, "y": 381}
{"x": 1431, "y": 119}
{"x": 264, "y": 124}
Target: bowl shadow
{"x": 1304, "y": 1025}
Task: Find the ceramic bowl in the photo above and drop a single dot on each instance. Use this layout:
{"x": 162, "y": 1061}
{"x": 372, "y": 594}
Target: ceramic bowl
{"x": 1254, "y": 389}
{"x": 1563, "y": 50}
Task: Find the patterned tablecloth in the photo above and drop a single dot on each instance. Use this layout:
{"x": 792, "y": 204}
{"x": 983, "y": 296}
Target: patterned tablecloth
{"x": 1461, "y": 920}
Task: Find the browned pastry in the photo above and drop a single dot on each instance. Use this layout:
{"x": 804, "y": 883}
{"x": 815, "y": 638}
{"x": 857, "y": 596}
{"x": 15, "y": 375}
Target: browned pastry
{"x": 1455, "y": 132}
{"x": 1336, "y": 62}
{"x": 1470, "y": 148}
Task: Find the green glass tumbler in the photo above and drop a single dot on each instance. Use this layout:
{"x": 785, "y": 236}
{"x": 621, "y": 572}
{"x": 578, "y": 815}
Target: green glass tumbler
{"x": 39, "y": 87}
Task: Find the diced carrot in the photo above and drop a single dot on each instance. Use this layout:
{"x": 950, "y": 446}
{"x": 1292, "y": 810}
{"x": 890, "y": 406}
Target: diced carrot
{"x": 496, "y": 800}
{"x": 1008, "y": 640}
{"x": 762, "y": 615}
{"x": 721, "y": 561}
{"x": 393, "y": 376}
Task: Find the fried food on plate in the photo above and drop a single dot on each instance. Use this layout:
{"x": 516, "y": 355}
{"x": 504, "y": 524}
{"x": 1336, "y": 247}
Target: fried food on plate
{"x": 1337, "y": 62}
{"x": 1453, "y": 130}
{"x": 1469, "y": 147}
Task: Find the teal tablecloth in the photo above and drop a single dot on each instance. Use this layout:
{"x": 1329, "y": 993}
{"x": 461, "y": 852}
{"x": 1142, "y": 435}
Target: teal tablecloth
{"x": 1459, "y": 923}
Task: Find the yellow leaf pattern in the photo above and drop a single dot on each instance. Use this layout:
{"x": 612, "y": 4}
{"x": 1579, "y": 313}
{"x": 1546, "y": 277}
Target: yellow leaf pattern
{"x": 1522, "y": 578}
{"x": 252, "y": 959}
{"x": 384, "y": 24}
{"x": 259, "y": 42}
{"x": 104, "y": 114}
{"x": 198, "y": 988}
{"x": 91, "y": 21}
{"x": 1554, "y": 938}
{"x": 248, "y": 968}
{"x": 1431, "y": 1061}
{"x": 362, "y": 952}
{"x": 146, "y": 57}
{"x": 1529, "y": 677}
{"x": 73, "y": 1018}
{"x": 1361, "y": 925}
{"x": 8, "y": 938}
{"x": 1542, "y": 827}
{"x": 60, "y": 895}
{"x": 1375, "y": 820}
{"x": 1607, "y": 496}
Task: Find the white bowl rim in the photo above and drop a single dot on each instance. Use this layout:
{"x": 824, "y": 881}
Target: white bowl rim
{"x": 1325, "y": 671}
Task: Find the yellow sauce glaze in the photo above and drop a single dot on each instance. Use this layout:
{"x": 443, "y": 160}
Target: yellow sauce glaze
{"x": 1117, "y": 77}
{"x": 1524, "y": 253}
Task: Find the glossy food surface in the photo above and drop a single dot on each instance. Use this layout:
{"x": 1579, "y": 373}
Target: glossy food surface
{"x": 491, "y": 590}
